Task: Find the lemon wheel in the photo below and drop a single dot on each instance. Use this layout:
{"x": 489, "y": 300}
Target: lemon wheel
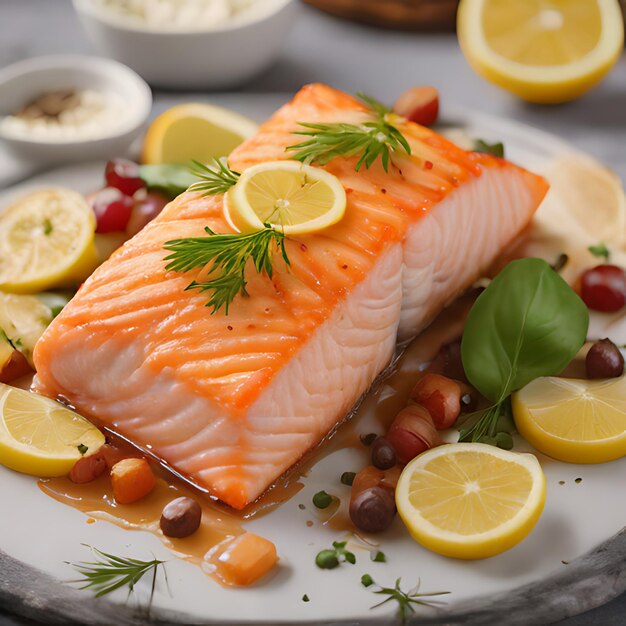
{"x": 47, "y": 241}
{"x": 544, "y": 51}
{"x": 287, "y": 195}
{"x": 39, "y": 436}
{"x": 577, "y": 421}
{"x": 470, "y": 500}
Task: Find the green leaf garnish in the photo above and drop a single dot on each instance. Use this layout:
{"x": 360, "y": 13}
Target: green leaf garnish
{"x": 407, "y": 600}
{"x": 109, "y": 572}
{"x": 226, "y": 256}
{"x": 600, "y": 250}
{"x": 527, "y": 323}
{"x": 214, "y": 180}
{"x": 305, "y": 598}
{"x": 82, "y": 448}
{"x": 329, "y": 559}
{"x": 371, "y": 140}
{"x": 495, "y": 149}
{"x": 170, "y": 179}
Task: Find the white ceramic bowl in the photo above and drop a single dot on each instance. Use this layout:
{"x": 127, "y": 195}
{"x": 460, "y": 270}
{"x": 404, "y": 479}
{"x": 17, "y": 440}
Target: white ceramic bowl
{"x": 24, "y": 81}
{"x": 221, "y": 57}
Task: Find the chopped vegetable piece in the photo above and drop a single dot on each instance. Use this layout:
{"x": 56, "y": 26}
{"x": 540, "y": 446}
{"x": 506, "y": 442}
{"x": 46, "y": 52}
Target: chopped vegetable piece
{"x": 132, "y": 480}
{"x": 248, "y": 558}
{"x": 378, "y": 557}
{"x": 347, "y": 478}
{"x": 367, "y": 580}
{"x": 441, "y": 396}
{"x": 412, "y": 432}
{"x": 88, "y": 468}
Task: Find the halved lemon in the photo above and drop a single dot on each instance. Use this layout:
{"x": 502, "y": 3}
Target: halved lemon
{"x": 470, "y": 500}
{"x": 545, "y": 51}
{"x": 195, "y": 131}
{"x": 23, "y": 320}
{"x": 290, "y": 196}
{"x": 39, "y": 436}
{"x": 577, "y": 421}
{"x": 46, "y": 241}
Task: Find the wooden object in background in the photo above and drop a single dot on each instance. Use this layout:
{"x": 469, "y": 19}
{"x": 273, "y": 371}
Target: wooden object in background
{"x": 399, "y": 14}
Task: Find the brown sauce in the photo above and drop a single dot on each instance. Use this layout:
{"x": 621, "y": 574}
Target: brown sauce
{"x": 220, "y": 524}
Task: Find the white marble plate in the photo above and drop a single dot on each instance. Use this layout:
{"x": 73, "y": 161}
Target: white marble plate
{"x": 37, "y": 531}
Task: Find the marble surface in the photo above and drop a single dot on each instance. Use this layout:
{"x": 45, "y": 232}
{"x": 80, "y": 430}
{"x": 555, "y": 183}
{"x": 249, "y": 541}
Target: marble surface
{"x": 355, "y": 57}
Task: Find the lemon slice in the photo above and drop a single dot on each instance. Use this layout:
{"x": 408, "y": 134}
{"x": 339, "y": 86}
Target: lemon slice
{"x": 46, "y": 240}
{"x": 39, "y": 436}
{"x": 470, "y": 500}
{"x": 288, "y": 195}
{"x": 23, "y": 320}
{"x": 545, "y": 51}
{"x": 195, "y": 131}
{"x": 577, "y": 421}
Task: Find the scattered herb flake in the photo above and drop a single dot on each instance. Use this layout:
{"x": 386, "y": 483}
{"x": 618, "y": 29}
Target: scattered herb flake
{"x": 347, "y": 478}
{"x": 369, "y": 439}
{"x": 322, "y": 500}
{"x": 47, "y": 226}
{"x": 329, "y": 559}
{"x": 495, "y": 149}
{"x": 301, "y": 507}
{"x": 378, "y": 557}
{"x": 600, "y": 250}
{"x": 82, "y": 448}
{"x": 561, "y": 261}
{"x": 367, "y": 580}
{"x": 578, "y": 481}
{"x": 305, "y": 598}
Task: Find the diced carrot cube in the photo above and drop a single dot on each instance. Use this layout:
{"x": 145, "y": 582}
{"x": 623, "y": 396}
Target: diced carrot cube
{"x": 132, "y": 479}
{"x": 246, "y": 559}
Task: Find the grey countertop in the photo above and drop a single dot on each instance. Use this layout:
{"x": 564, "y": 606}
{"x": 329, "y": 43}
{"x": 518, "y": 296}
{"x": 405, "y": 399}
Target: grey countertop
{"x": 382, "y": 63}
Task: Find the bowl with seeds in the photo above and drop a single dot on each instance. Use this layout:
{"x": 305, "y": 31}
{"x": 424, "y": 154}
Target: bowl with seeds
{"x": 61, "y": 109}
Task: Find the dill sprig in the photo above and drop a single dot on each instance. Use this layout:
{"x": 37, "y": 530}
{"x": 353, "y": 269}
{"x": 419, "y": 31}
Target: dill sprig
{"x": 226, "y": 257}
{"x": 407, "y": 600}
{"x": 370, "y": 140}
{"x": 215, "y": 179}
{"x": 109, "y": 572}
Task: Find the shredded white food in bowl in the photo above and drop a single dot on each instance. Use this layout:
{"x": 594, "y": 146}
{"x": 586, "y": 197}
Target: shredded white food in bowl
{"x": 181, "y": 14}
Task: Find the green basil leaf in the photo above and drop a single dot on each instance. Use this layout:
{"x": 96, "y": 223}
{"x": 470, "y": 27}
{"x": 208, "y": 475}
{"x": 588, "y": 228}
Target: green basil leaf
{"x": 528, "y": 323}
{"x": 172, "y": 179}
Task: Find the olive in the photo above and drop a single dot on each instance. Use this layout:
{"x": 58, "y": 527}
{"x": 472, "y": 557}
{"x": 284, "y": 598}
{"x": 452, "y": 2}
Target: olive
{"x": 604, "y": 360}
{"x": 383, "y": 454}
{"x": 372, "y": 510}
{"x": 181, "y": 517}
{"x": 412, "y": 432}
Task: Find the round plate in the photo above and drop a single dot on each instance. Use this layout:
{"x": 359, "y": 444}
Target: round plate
{"x": 539, "y": 581}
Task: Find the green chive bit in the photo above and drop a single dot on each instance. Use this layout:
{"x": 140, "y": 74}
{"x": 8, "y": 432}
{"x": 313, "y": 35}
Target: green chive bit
{"x": 305, "y": 598}
{"x": 367, "y": 580}
{"x": 322, "y": 500}
{"x": 378, "y": 557}
{"x": 82, "y": 448}
{"x": 347, "y": 478}
{"x": 327, "y": 559}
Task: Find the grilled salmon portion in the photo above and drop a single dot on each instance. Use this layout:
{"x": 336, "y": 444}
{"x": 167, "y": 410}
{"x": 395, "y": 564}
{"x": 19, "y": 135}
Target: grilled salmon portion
{"x": 233, "y": 401}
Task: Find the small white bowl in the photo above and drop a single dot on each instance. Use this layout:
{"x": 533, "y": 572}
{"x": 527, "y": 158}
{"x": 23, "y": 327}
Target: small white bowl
{"x": 25, "y": 81}
{"x": 224, "y": 56}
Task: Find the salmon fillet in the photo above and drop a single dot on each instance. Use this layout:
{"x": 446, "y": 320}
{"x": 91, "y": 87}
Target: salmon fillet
{"x": 233, "y": 401}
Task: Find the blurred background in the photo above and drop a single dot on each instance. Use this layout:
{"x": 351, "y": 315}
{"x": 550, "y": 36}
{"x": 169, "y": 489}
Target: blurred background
{"x": 381, "y": 47}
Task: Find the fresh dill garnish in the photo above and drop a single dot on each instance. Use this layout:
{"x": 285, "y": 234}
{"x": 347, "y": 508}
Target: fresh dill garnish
{"x": 371, "y": 140}
{"x": 109, "y": 572}
{"x": 600, "y": 250}
{"x": 406, "y": 599}
{"x": 215, "y": 179}
{"x": 226, "y": 257}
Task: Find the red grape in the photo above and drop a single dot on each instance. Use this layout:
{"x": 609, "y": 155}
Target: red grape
{"x": 123, "y": 175}
{"x": 603, "y": 288}
{"x": 412, "y": 432}
{"x": 112, "y": 209}
{"x": 419, "y": 104}
{"x": 440, "y": 396}
{"x": 145, "y": 210}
